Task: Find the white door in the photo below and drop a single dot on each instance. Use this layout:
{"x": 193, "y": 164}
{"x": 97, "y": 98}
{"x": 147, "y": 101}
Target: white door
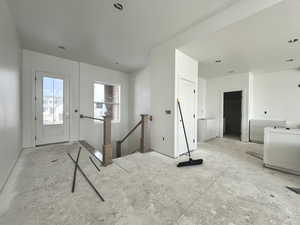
{"x": 187, "y": 99}
{"x": 52, "y": 108}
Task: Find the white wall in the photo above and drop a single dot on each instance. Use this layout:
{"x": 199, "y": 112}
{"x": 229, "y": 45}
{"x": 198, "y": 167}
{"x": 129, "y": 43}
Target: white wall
{"x": 139, "y": 102}
{"x": 201, "y": 98}
{"x": 90, "y": 130}
{"x": 251, "y": 95}
{"x": 82, "y": 77}
{"x": 278, "y": 94}
{"x": 36, "y": 62}
{"x": 186, "y": 67}
{"x": 162, "y": 70}
{"x": 215, "y": 88}
{"x": 153, "y": 90}
{"x": 140, "y": 94}
{"x": 10, "y": 104}
{"x": 162, "y": 83}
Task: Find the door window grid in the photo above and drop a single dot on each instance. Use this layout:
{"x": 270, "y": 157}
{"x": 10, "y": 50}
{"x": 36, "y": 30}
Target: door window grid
{"x": 53, "y": 101}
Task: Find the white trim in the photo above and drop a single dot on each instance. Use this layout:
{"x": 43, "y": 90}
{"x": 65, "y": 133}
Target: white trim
{"x": 67, "y": 81}
{"x": 177, "y": 119}
{"x": 10, "y": 172}
{"x": 34, "y": 130}
{"x": 119, "y": 103}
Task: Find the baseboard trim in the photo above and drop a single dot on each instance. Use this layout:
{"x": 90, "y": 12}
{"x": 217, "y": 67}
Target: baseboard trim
{"x": 289, "y": 171}
{"x": 10, "y": 171}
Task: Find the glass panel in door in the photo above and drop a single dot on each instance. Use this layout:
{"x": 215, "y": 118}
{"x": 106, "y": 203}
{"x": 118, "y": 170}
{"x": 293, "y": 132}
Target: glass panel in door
{"x": 53, "y": 101}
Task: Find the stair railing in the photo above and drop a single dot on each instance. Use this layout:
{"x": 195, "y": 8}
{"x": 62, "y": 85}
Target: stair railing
{"x": 107, "y": 148}
{"x": 92, "y": 118}
{"x": 144, "y": 141}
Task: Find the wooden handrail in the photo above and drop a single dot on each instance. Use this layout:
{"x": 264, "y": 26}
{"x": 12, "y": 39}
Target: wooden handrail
{"x": 144, "y": 140}
{"x": 89, "y": 117}
{"x": 144, "y": 143}
{"x": 107, "y": 145}
{"x": 131, "y": 131}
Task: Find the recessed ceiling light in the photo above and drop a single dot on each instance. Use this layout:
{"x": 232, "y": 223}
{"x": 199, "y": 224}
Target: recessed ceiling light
{"x": 218, "y": 61}
{"x": 119, "y": 6}
{"x": 62, "y": 47}
{"x": 293, "y": 40}
{"x": 290, "y": 60}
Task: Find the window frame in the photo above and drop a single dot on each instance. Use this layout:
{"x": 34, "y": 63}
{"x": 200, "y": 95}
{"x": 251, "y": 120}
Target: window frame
{"x": 119, "y": 103}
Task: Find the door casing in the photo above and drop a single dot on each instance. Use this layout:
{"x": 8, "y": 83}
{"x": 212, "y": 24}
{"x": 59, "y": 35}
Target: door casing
{"x": 39, "y": 140}
{"x": 192, "y": 127}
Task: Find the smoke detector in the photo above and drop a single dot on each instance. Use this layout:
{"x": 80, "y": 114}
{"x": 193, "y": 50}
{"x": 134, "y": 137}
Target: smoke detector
{"x": 118, "y": 5}
{"x": 293, "y": 40}
{"x": 62, "y": 47}
{"x": 290, "y": 60}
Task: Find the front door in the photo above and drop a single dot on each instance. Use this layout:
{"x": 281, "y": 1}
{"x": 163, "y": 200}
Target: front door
{"x": 187, "y": 99}
{"x": 52, "y": 108}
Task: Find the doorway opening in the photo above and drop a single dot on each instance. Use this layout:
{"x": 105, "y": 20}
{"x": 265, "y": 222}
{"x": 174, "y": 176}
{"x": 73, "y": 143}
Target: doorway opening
{"x": 232, "y": 115}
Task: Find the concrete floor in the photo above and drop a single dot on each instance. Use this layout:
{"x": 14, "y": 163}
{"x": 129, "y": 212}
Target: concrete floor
{"x": 230, "y": 188}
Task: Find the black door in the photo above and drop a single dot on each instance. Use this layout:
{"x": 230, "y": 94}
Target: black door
{"x": 232, "y": 114}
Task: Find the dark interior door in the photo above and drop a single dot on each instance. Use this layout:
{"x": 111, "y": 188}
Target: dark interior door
{"x": 232, "y": 113}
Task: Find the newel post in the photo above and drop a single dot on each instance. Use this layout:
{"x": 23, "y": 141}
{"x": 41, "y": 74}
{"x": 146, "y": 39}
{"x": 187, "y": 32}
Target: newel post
{"x": 107, "y": 145}
{"x": 145, "y": 136}
{"x": 119, "y": 151}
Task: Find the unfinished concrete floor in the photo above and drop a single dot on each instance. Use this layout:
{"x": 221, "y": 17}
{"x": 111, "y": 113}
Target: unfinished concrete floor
{"x": 230, "y": 188}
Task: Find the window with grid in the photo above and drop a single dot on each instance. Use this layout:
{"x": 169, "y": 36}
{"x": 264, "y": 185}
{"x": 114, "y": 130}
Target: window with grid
{"x": 53, "y": 101}
{"x": 107, "y": 101}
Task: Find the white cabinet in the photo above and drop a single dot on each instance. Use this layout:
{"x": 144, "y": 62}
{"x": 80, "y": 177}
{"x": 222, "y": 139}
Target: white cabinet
{"x": 282, "y": 149}
{"x": 206, "y": 129}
